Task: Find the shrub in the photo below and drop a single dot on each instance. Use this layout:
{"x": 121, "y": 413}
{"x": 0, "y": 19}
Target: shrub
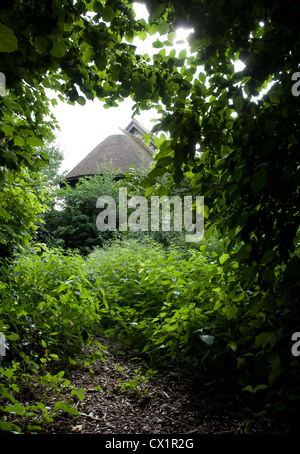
{"x": 47, "y": 296}
{"x": 184, "y": 310}
{"x": 156, "y": 300}
{"x": 71, "y": 224}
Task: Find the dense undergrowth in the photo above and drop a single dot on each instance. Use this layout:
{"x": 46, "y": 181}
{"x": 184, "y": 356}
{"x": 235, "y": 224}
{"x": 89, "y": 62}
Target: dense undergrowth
{"x": 179, "y": 309}
{"x": 48, "y": 306}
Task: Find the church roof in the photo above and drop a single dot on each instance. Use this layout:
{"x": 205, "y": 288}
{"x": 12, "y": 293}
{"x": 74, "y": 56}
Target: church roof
{"x": 117, "y": 152}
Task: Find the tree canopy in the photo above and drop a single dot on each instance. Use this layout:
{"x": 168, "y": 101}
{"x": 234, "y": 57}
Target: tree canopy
{"x": 248, "y": 171}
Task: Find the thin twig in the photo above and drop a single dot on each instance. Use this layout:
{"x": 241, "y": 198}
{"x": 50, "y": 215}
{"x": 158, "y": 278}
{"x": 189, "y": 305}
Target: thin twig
{"x": 90, "y": 416}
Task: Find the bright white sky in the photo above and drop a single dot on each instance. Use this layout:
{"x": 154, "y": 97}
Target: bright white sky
{"x": 82, "y": 128}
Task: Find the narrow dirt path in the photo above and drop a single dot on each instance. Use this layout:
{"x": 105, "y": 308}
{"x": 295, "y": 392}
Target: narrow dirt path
{"x": 119, "y": 401}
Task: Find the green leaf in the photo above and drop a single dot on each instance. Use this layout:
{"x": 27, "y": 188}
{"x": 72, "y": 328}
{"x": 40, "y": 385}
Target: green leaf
{"x": 100, "y": 61}
{"x": 13, "y": 337}
{"x": 268, "y": 276}
{"x": 157, "y": 44}
{"x": 41, "y": 43}
{"x": 104, "y": 298}
{"x": 81, "y": 100}
{"x": 72, "y": 361}
{"x": 33, "y": 428}
{"x": 244, "y": 252}
{"x": 178, "y": 176}
{"x": 8, "y": 40}
{"x": 267, "y": 339}
{"x": 164, "y": 162}
{"x": 4, "y": 214}
{"x": 267, "y": 257}
{"x": 163, "y": 28}
{"x": 34, "y": 142}
{"x": 143, "y": 35}
{"x": 258, "y": 387}
{"x": 78, "y": 393}
{"x": 66, "y": 406}
{"x": 7, "y": 129}
{"x": 182, "y": 54}
{"x": 238, "y": 103}
{"x": 254, "y": 390}
{"x": 248, "y": 274}
{"x": 108, "y": 14}
{"x": 88, "y": 54}
{"x": 129, "y": 36}
{"x": 58, "y": 49}
{"x": 232, "y": 345}
{"x": 54, "y": 356}
{"x": 8, "y": 373}
{"x": 202, "y": 77}
{"x": 157, "y": 172}
{"x": 224, "y": 258}
{"x": 259, "y": 180}
{"x": 115, "y": 74}
{"x": 292, "y": 272}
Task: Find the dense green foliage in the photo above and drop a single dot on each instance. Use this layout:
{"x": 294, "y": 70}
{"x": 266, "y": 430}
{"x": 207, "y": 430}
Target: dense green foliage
{"x": 177, "y": 309}
{"x": 51, "y": 171}
{"x": 153, "y": 298}
{"x": 23, "y": 197}
{"x": 58, "y": 305}
{"x": 71, "y": 220}
{"x": 186, "y": 309}
{"x": 49, "y": 307}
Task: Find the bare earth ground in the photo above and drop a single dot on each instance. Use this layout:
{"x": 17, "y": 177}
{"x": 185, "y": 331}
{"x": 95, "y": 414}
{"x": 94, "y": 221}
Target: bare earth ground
{"x": 162, "y": 405}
